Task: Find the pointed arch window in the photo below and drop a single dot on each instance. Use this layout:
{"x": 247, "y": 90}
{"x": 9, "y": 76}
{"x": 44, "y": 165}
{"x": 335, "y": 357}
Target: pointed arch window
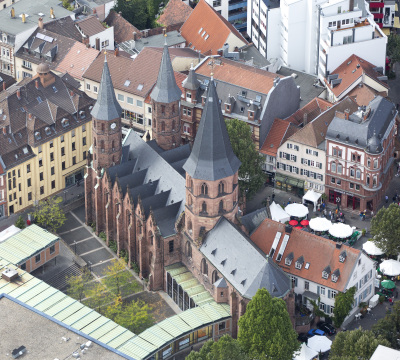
{"x": 204, "y": 267}
{"x": 221, "y": 188}
{"x": 204, "y": 207}
{"x": 215, "y": 276}
{"x": 221, "y": 207}
{"x": 204, "y": 189}
{"x": 162, "y": 126}
{"x": 154, "y": 123}
{"x": 188, "y": 249}
{"x": 94, "y": 142}
{"x": 368, "y": 180}
{"x": 151, "y": 237}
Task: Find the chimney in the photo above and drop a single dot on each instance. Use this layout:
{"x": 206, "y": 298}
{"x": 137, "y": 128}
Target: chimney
{"x": 351, "y": 5}
{"x": 30, "y": 117}
{"x": 346, "y": 114}
{"x": 220, "y": 52}
{"x": 12, "y": 13}
{"x": 19, "y": 94}
{"x": 134, "y": 36}
{"x": 119, "y": 13}
{"x": 40, "y": 23}
{"x": 37, "y": 84}
{"x": 23, "y": 17}
{"x": 52, "y": 13}
{"x": 4, "y": 85}
{"x": 305, "y": 116}
{"x": 116, "y": 52}
{"x": 164, "y": 31}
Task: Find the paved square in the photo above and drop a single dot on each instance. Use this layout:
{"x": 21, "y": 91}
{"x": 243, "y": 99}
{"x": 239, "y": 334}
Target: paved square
{"x": 71, "y": 223}
{"x": 76, "y": 235}
{"x": 80, "y": 213}
{"x": 87, "y": 245}
{"x": 99, "y": 269}
{"x": 97, "y": 256}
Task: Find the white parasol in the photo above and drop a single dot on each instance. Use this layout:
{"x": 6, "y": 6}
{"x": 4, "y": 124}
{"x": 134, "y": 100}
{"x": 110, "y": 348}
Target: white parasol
{"x": 371, "y": 249}
{"x": 390, "y": 267}
{"x": 296, "y": 210}
{"x": 320, "y": 224}
{"x": 319, "y": 343}
{"x": 341, "y": 231}
{"x": 305, "y": 353}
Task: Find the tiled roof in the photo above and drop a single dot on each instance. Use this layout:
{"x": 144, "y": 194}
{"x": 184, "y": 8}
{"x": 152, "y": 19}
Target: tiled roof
{"x": 65, "y": 27}
{"x": 90, "y": 26}
{"x": 123, "y": 29}
{"x": 7, "y": 79}
{"x": 315, "y": 131}
{"x": 206, "y": 19}
{"x": 176, "y": 12}
{"x": 364, "y": 94}
{"x": 314, "y": 108}
{"x": 77, "y": 60}
{"x": 317, "y": 251}
{"x": 239, "y": 74}
{"x": 350, "y": 71}
{"x": 279, "y": 132}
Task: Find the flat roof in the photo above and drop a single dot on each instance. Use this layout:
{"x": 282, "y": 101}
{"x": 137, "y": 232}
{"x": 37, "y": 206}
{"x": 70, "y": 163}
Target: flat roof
{"x": 19, "y": 328}
{"x": 33, "y": 11}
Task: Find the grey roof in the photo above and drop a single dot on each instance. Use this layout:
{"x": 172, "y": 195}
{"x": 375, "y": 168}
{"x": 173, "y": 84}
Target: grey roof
{"x": 191, "y": 82}
{"x": 360, "y": 133}
{"x": 66, "y": 27}
{"x": 308, "y": 90}
{"x": 244, "y": 267}
{"x": 252, "y": 220}
{"x": 107, "y": 106}
{"x": 212, "y": 157}
{"x": 166, "y": 90}
{"x": 173, "y": 38}
{"x": 32, "y": 9}
{"x": 220, "y": 283}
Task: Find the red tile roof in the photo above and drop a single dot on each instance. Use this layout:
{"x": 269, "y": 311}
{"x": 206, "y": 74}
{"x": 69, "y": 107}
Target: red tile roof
{"x": 206, "y": 19}
{"x": 176, "y": 12}
{"x": 279, "y": 132}
{"x": 239, "y": 74}
{"x": 363, "y": 94}
{"x": 317, "y": 251}
{"x": 314, "y": 108}
{"x": 90, "y": 26}
{"x": 123, "y": 29}
{"x": 77, "y": 60}
{"x": 350, "y": 71}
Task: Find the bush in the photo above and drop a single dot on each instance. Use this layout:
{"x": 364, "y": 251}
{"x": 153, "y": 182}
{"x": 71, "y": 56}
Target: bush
{"x": 113, "y": 246}
{"x": 103, "y": 236}
{"x": 123, "y": 254}
{"x": 135, "y": 267}
{"x": 20, "y": 223}
{"x": 391, "y": 75}
{"x": 93, "y": 226}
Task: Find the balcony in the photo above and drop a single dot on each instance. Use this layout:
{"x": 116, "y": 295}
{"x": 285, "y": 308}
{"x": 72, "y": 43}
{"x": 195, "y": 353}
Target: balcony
{"x": 237, "y": 5}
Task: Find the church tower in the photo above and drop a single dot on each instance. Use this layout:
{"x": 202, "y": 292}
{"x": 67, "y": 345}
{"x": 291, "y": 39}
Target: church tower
{"x": 106, "y": 124}
{"x": 165, "y": 101}
{"x": 211, "y": 172}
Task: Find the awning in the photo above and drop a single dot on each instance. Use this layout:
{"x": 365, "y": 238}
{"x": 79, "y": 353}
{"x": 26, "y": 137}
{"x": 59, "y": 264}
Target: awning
{"x": 386, "y": 31}
{"x": 375, "y": 5}
{"x": 396, "y": 22}
{"x": 310, "y": 295}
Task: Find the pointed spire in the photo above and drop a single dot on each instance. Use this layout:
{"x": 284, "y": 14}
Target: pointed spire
{"x": 212, "y": 157}
{"x": 107, "y": 106}
{"x": 166, "y": 90}
{"x": 191, "y": 82}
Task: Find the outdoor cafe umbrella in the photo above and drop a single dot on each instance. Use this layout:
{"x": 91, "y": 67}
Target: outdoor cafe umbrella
{"x": 371, "y": 249}
{"x": 390, "y": 267}
{"x": 297, "y": 210}
{"x": 340, "y": 230}
{"x": 293, "y": 222}
{"x": 319, "y": 343}
{"x": 298, "y": 227}
{"x": 388, "y": 284}
{"x": 320, "y": 224}
{"x": 304, "y": 222}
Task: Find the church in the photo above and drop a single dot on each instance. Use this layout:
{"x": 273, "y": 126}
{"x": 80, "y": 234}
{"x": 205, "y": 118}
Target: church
{"x": 174, "y": 208}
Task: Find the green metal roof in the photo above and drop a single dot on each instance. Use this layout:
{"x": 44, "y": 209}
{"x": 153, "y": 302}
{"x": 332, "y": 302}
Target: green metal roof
{"x": 30, "y": 241}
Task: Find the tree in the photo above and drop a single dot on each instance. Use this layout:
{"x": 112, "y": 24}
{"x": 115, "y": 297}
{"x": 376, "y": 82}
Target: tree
{"x": 136, "y": 12}
{"x": 355, "y": 345}
{"x": 343, "y": 305}
{"x": 385, "y": 229}
{"x": 389, "y": 326}
{"x": 49, "y": 214}
{"x": 393, "y": 48}
{"x": 20, "y": 223}
{"x": 265, "y": 329}
{"x": 117, "y": 277}
{"x": 97, "y": 296}
{"x": 251, "y": 176}
{"x": 77, "y": 285}
{"x": 225, "y": 348}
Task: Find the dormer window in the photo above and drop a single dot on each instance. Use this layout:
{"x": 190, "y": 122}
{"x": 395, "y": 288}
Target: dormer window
{"x": 244, "y": 93}
{"x": 82, "y": 114}
{"x": 342, "y": 256}
{"x": 289, "y": 259}
{"x": 251, "y": 114}
{"x": 65, "y": 122}
{"x": 227, "y": 108}
{"x": 37, "y": 135}
{"x": 299, "y": 263}
{"x": 326, "y": 272}
{"x": 335, "y": 275}
{"x": 47, "y": 130}
{"x": 188, "y": 96}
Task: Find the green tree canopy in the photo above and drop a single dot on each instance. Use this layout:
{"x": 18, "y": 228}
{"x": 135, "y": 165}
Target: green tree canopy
{"x": 355, "y": 345}
{"x": 49, "y": 214}
{"x": 393, "y": 48}
{"x": 225, "y": 348}
{"x": 140, "y": 13}
{"x": 385, "y": 229}
{"x": 20, "y": 223}
{"x": 77, "y": 285}
{"x": 265, "y": 329}
{"x": 389, "y": 326}
{"x": 343, "y": 305}
{"x": 251, "y": 176}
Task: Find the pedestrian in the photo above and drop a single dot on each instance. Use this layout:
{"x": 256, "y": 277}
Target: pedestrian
{"x": 319, "y": 207}
{"x": 386, "y": 199}
{"x": 273, "y": 197}
{"x": 323, "y": 205}
{"x": 290, "y": 200}
{"x": 336, "y": 211}
{"x": 325, "y": 213}
{"x": 394, "y": 198}
{"x": 361, "y": 215}
{"x": 364, "y": 213}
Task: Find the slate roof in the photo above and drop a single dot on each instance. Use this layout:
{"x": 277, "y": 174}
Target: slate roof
{"x": 306, "y": 82}
{"x": 7, "y": 79}
{"x": 90, "y": 26}
{"x": 166, "y": 90}
{"x": 317, "y": 251}
{"x": 252, "y": 220}
{"x": 65, "y": 27}
{"x": 77, "y": 60}
{"x": 205, "y": 18}
{"x": 155, "y": 178}
{"x": 123, "y": 29}
{"x": 241, "y": 263}
{"x": 176, "y": 12}
{"x": 314, "y": 133}
{"x": 191, "y": 82}
{"x": 349, "y": 72}
{"x": 107, "y": 106}
{"x": 358, "y": 133}
{"x": 212, "y": 157}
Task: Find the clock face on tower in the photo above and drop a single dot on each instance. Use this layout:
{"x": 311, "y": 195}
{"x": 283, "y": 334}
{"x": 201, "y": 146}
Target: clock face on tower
{"x": 113, "y": 126}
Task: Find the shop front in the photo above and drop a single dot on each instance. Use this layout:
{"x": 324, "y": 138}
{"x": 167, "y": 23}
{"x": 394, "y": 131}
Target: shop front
{"x": 74, "y": 178}
{"x": 335, "y": 197}
{"x": 289, "y": 184}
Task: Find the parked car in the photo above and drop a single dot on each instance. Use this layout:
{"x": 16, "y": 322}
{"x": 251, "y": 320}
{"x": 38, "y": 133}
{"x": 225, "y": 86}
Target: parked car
{"x": 313, "y": 332}
{"x": 303, "y": 337}
{"x": 328, "y": 328}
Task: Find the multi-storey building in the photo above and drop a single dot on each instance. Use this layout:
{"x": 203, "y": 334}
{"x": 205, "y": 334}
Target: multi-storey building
{"x": 235, "y": 11}
{"x": 359, "y": 155}
{"x": 45, "y": 137}
{"x": 3, "y": 189}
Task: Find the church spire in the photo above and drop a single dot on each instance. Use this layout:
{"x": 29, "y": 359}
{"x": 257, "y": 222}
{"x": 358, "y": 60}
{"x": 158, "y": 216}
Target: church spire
{"x": 191, "y": 82}
{"x": 166, "y": 91}
{"x": 107, "y": 106}
{"x": 212, "y": 157}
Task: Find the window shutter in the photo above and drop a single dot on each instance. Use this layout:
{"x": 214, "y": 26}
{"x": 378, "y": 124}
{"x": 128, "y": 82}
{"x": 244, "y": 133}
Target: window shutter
{"x": 329, "y": 294}
{"x": 277, "y": 165}
{"x": 316, "y": 153}
{"x": 301, "y": 171}
{"x": 309, "y": 162}
{"x": 287, "y": 157}
{"x": 318, "y": 290}
{"x": 290, "y": 168}
{"x": 328, "y": 308}
{"x": 315, "y": 175}
{"x": 297, "y": 170}
{"x": 284, "y": 167}
{"x": 280, "y": 154}
{"x": 295, "y": 158}
{"x": 287, "y": 144}
{"x": 320, "y": 165}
